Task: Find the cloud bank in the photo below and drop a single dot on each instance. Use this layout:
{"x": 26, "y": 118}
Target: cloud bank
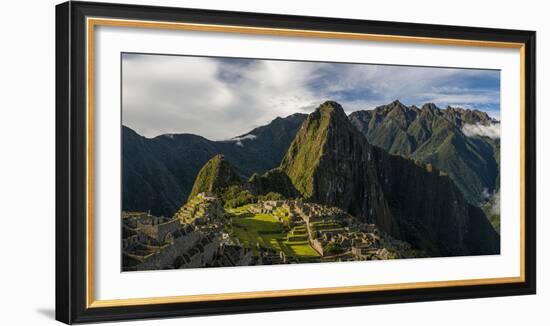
{"x": 220, "y": 98}
{"x": 473, "y": 130}
{"x": 239, "y": 140}
{"x": 493, "y": 201}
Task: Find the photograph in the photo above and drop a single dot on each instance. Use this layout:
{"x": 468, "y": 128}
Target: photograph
{"x": 229, "y": 161}
{"x": 254, "y": 163}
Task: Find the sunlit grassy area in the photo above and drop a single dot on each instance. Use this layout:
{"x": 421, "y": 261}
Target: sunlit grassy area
{"x": 252, "y": 229}
{"x": 302, "y": 250}
{"x": 265, "y": 230}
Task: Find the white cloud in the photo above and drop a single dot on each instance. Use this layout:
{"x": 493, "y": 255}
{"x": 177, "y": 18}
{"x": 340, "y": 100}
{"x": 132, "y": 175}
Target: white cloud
{"x": 239, "y": 140}
{"x": 175, "y": 94}
{"x": 171, "y": 95}
{"x": 493, "y": 200}
{"x": 221, "y": 98}
{"x": 381, "y": 84}
{"x": 495, "y": 114}
{"x": 473, "y": 130}
{"x": 495, "y": 203}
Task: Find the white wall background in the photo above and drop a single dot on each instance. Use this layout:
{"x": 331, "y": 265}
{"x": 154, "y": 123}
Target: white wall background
{"x": 27, "y": 189}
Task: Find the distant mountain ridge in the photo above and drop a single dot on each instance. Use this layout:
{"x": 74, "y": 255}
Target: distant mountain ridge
{"x": 438, "y": 137}
{"x": 158, "y": 173}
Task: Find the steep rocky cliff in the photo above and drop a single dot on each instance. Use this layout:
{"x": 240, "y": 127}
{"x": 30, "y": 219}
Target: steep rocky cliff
{"x": 330, "y": 162}
{"x": 431, "y": 211}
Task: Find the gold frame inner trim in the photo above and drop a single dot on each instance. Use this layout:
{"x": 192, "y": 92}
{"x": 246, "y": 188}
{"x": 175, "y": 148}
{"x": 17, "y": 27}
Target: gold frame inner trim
{"x": 92, "y": 22}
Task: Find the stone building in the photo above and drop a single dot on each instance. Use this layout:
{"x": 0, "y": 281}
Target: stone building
{"x": 200, "y": 210}
{"x": 158, "y": 228}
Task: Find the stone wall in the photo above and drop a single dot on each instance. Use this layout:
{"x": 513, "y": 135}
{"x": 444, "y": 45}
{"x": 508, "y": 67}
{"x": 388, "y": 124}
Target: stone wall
{"x": 159, "y": 231}
{"x": 197, "y": 249}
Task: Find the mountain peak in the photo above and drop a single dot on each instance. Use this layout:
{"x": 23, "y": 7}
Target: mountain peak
{"x": 329, "y": 114}
{"x": 129, "y": 132}
{"x": 216, "y": 174}
{"x": 330, "y": 162}
{"x": 392, "y": 107}
{"x": 310, "y": 143}
{"x": 331, "y": 108}
{"x": 462, "y": 116}
{"x": 218, "y": 158}
{"x": 429, "y": 107}
{"x": 331, "y": 104}
{"x": 397, "y": 103}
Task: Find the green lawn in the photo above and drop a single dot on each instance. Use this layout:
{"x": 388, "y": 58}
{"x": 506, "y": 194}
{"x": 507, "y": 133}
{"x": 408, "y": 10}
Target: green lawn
{"x": 252, "y": 229}
{"x": 302, "y": 249}
{"x": 266, "y": 230}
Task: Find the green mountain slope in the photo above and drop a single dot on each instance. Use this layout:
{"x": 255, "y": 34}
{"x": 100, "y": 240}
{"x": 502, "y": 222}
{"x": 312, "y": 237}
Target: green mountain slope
{"x": 435, "y": 136}
{"x": 143, "y": 177}
{"x": 215, "y": 175}
{"x": 158, "y": 173}
{"x": 330, "y": 162}
{"x": 272, "y": 181}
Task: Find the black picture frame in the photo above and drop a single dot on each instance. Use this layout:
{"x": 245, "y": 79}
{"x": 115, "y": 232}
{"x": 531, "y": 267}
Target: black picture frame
{"x": 71, "y": 155}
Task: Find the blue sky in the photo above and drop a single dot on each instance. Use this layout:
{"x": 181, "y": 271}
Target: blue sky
{"x": 220, "y": 98}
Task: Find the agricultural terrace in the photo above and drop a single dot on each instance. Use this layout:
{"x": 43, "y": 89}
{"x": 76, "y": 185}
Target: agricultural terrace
{"x": 264, "y": 230}
{"x": 326, "y": 226}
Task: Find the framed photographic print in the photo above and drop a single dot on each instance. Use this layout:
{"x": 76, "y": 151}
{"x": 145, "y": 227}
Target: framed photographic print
{"x": 214, "y": 162}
